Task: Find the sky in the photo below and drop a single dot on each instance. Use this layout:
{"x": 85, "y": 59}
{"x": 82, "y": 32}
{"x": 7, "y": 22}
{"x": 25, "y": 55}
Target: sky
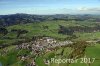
{"x": 50, "y": 6}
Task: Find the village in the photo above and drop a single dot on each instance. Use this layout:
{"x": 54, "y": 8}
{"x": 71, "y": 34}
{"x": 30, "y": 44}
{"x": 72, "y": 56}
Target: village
{"x": 44, "y": 45}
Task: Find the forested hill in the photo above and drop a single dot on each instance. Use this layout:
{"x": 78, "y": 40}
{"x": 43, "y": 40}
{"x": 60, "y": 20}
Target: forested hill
{"x": 20, "y": 18}
{"x": 7, "y": 20}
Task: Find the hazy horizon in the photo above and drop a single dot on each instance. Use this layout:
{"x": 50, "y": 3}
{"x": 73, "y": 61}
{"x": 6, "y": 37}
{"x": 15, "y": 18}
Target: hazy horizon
{"x": 49, "y": 7}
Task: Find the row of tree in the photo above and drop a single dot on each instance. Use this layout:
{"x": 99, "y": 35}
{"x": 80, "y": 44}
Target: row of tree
{"x": 72, "y": 29}
{"x": 4, "y": 31}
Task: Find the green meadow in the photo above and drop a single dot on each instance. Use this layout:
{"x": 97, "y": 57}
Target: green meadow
{"x": 36, "y": 29}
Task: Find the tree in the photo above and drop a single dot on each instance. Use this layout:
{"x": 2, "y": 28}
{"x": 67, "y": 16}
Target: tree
{"x": 19, "y": 31}
{"x": 64, "y": 30}
{"x": 3, "y": 31}
{"x": 45, "y": 27}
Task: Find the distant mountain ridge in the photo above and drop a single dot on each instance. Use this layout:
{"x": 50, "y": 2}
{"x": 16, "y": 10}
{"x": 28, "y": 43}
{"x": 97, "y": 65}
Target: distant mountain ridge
{"x": 7, "y": 20}
{"x": 20, "y": 18}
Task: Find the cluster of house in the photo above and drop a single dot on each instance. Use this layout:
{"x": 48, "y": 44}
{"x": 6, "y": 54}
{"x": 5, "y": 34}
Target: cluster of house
{"x": 3, "y": 52}
{"x": 41, "y": 46}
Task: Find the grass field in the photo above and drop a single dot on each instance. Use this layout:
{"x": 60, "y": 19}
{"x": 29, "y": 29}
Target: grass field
{"x": 36, "y": 29}
{"x": 52, "y": 31}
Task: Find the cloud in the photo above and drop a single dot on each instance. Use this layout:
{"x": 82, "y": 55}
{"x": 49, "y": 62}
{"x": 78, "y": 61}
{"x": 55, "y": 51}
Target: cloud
{"x": 82, "y": 9}
{"x": 96, "y": 9}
